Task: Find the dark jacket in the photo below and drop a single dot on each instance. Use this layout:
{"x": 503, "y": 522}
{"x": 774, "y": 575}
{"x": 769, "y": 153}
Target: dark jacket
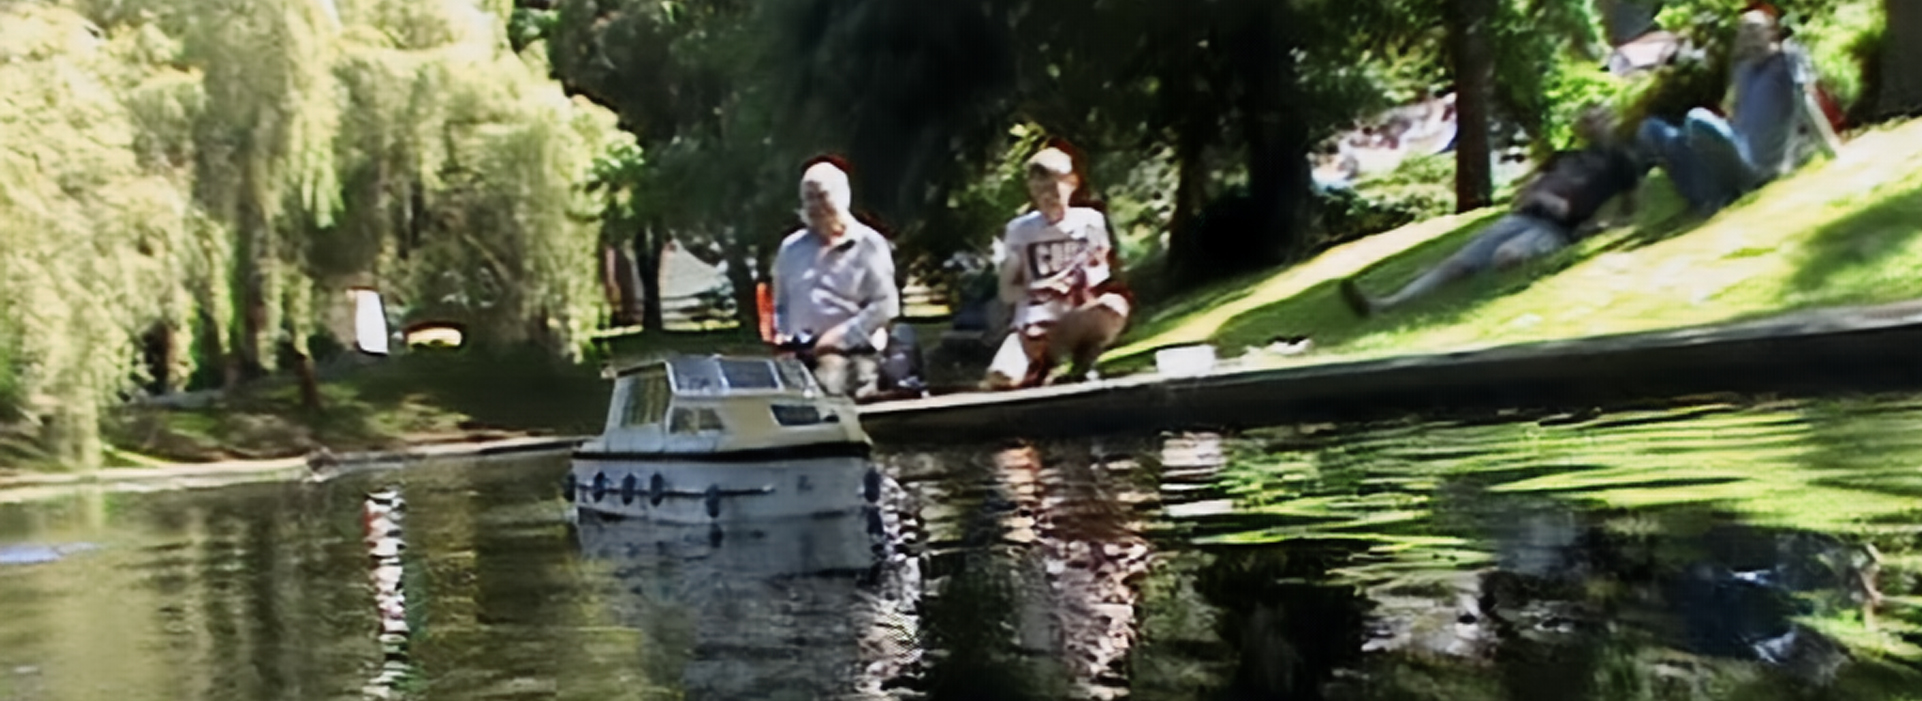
{"x": 1574, "y": 185}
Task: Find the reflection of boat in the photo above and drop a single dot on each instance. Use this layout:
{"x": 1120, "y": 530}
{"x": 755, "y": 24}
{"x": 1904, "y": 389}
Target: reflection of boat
{"x": 797, "y": 609}
{"x": 700, "y": 439}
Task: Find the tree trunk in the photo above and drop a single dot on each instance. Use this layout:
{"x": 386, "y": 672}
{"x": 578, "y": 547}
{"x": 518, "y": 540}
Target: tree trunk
{"x": 740, "y": 279}
{"x": 243, "y": 347}
{"x": 1279, "y": 177}
{"x": 254, "y": 329}
{"x": 1901, "y": 91}
{"x": 617, "y": 285}
{"x": 1474, "y": 67}
{"x": 627, "y": 285}
{"x": 309, "y": 381}
{"x": 158, "y": 352}
{"x": 611, "y": 286}
{"x": 647, "y": 255}
{"x": 1191, "y": 184}
{"x": 410, "y": 235}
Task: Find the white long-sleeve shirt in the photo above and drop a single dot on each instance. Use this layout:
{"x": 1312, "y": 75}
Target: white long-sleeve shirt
{"x": 818, "y": 287}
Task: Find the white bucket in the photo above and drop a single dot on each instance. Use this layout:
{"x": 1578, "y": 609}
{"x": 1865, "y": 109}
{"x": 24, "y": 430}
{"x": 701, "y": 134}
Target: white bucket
{"x": 1185, "y": 361}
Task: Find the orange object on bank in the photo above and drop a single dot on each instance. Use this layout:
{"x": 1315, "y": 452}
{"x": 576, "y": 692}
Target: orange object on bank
{"x": 764, "y": 308}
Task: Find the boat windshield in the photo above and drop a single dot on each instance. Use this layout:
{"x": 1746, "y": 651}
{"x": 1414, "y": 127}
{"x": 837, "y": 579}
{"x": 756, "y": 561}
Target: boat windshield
{"x": 795, "y": 375}
{"x": 711, "y": 375}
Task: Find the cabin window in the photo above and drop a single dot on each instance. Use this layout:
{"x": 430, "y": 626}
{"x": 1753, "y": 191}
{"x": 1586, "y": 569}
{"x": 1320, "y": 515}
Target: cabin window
{"x": 694, "y": 421}
{"x": 794, "y": 374}
{"x": 647, "y": 399}
{"x": 749, "y": 374}
{"x": 800, "y": 415}
{"x": 696, "y": 376}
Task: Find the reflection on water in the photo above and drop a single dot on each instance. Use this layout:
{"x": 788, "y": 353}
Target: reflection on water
{"x": 797, "y": 609}
{"x": 381, "y": 517}
{"x": 1712, "y": 552}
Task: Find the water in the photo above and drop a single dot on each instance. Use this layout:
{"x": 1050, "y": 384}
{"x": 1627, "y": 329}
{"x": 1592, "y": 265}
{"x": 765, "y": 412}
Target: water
{"x": 1716, "y": 551}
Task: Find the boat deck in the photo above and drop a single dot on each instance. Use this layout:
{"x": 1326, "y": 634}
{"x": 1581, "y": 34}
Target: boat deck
{"x": 1843, "y": 349}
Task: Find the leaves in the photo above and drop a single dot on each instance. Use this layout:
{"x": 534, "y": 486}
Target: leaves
{"x": 224, "y": 169}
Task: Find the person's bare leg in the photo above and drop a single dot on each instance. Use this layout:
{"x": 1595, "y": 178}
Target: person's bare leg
{"x": 864, "y": 376}
{"x": 1010, "y": 364}
{"x": 831, "y": 370}
{"x": 1088, "y": 331}
{"x": 1035, "y": 340}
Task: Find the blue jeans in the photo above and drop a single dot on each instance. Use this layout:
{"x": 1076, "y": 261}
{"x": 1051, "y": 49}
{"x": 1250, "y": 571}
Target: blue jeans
{"x": 1705, "y": 159}
{"x": 1508, "y": 241}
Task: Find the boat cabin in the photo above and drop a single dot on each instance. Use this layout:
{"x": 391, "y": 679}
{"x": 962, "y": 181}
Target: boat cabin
{"x": 719, "y": 405}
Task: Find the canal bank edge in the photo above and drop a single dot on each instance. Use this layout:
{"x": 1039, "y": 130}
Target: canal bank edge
{"x": 27, "y": 487}
{"x": 1848, "y": 349}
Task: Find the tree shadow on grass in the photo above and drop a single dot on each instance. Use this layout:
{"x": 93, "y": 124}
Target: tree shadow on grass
{"x": 1660, "y": 215}
{"x": 1837, "y": 254}
{"x": 1314, "y": 312}
{"x": 1320, "y": 314}
{"x": 1157, "y": 318}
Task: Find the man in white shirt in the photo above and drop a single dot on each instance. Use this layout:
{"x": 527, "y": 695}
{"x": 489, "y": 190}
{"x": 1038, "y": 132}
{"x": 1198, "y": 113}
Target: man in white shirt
{"x": 834, "y": 290}
{"x": 1059, "y": 271}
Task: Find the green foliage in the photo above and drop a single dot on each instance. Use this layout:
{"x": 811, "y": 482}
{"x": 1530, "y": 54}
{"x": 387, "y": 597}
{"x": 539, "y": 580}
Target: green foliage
{"x": 526, "y": 26}
{"x": 1420, "y": 188}
{"x": 223, "y": 171}
{"x": 1845, "y": 43}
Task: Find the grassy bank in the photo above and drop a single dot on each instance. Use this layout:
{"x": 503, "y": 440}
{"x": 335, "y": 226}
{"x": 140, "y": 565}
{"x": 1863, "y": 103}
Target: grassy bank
{"x": 423, "y": 397}
{"x": 1838, "y": 232}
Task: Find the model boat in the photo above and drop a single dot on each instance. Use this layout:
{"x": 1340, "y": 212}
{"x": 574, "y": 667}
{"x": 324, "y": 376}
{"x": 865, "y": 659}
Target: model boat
{"x": 702, "y": 439}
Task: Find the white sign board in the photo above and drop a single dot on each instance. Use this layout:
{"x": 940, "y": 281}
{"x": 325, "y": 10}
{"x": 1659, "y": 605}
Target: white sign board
{"x": 370, "y": 322}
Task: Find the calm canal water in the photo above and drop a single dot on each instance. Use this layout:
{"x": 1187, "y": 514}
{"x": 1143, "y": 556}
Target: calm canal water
{"x": 1758, "y": 551}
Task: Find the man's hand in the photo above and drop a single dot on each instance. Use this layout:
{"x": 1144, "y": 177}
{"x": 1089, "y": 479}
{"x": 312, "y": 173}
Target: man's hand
{"x": 1061, "y": 285}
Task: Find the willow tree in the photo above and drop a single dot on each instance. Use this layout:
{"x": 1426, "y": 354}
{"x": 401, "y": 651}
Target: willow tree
{"x": 88, "y": 233}
{"x": 466, "y": 172}
{"x": 265, "y": 166}
{"x": 177, "y": 173}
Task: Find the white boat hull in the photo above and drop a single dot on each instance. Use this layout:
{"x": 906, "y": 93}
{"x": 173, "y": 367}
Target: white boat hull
{"x": 743, "y": 552}
{"x": 694, "y": 491}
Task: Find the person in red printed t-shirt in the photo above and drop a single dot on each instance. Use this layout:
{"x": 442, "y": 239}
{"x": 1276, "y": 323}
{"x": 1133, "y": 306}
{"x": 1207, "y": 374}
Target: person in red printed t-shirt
{"x": 1060, "y": 271}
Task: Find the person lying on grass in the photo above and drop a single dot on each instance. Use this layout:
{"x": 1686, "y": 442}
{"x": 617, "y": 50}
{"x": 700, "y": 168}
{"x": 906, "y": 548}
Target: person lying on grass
{"x": 1060, "y": 274}
{"x": 1774, "y": 116}
{"x": 1553, "y": 210}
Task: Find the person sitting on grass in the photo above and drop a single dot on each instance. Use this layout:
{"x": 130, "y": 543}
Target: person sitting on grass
{"x": 1059, "y": 272}
{"x": 833, "y": 287}
{"x": 1550, "y": 212}
{"x": 1773, "y": 107}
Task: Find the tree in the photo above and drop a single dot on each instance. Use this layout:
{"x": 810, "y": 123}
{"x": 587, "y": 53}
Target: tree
{"x": 685, "y": 79}
{"x": 1901, "y": 55}
{"x": 1474, "y": 66}
{"x": 922, "y": 102}
{"x": 200, "y": 174}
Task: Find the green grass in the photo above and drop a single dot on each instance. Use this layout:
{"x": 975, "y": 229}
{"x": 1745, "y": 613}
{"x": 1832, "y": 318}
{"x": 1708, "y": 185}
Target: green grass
{"x": 1838, "y": 232}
